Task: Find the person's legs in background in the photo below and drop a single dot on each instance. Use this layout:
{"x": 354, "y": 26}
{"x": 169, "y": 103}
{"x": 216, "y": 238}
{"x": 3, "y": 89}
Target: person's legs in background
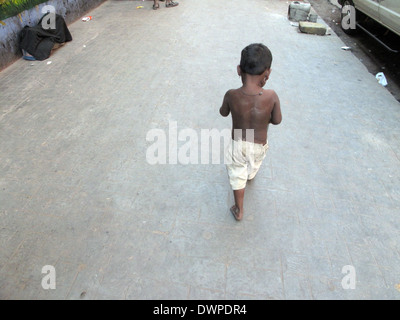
{"x": 170, "y": 3}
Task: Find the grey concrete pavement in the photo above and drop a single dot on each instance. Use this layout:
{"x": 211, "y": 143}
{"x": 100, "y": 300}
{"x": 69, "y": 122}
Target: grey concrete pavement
{"x": 77, "y": 193}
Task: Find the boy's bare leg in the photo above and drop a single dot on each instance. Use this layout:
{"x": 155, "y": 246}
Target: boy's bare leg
{"x": 237, "y": 209}
{"x": 156, "y": 5}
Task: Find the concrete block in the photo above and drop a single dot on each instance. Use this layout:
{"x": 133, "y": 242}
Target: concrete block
{"x": 298, "y": 11}
{"x": 312, "y": 27}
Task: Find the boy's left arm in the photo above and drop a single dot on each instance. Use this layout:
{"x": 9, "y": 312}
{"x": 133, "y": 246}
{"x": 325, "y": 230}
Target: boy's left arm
{"x": 276, "y": 114}
{"x": 225, "y": 109}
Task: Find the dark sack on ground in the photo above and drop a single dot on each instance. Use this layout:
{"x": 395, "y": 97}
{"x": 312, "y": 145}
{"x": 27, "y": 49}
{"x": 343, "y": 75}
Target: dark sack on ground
{"x": 38, "y": 41}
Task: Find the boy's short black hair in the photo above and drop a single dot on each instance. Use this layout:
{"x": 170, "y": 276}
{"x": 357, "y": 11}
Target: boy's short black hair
{"x": 256, "y": 58}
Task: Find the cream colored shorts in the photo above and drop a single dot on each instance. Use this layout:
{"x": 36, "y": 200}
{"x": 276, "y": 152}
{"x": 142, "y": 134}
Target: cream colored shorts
{"x": 243, "y": 160}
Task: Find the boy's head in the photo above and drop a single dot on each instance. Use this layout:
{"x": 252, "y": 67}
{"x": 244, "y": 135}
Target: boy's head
{"x": 256, "y": 59}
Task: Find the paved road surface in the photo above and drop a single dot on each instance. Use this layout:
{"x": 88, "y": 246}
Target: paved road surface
{"x": 77, "y": 192}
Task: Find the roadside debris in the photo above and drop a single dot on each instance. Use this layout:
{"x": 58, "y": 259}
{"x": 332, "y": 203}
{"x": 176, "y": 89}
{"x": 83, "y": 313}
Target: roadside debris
{"x": 88, "y": 18}
{"x": 299, "y": 11}
{"x": 312, "y": 28}
{"x": 346, "y": 48}
{"x": 381, "y": 79}
{"x": 312, "y": 17}
{"x": 300, "y": 14}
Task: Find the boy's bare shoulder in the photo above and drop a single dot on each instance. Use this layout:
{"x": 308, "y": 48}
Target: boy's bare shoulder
{"x": 232, "y": 95}
{"x": 236, "y": 94}
{"x": 231, "y": 92}
{"x": 270, "y": 93}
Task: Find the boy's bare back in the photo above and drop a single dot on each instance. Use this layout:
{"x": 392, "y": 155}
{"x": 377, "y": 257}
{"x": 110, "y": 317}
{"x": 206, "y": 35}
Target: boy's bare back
{"x": 255, "y": 111}
{"x": 252, "y": 108}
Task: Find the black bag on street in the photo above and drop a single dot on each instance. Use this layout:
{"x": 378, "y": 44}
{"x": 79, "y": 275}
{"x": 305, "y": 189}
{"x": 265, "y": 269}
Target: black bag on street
{"x": 38, "y": 42}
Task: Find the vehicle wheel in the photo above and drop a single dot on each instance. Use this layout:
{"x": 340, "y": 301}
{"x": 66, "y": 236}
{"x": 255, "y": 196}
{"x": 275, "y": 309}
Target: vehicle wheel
{"x": 348, "y": 17}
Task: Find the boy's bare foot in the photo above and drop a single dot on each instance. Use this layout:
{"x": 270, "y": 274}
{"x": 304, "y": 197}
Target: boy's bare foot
{"x": 236, "y": 213}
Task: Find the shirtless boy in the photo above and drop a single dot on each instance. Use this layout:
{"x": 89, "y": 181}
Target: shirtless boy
{"x": 252, "y": 109}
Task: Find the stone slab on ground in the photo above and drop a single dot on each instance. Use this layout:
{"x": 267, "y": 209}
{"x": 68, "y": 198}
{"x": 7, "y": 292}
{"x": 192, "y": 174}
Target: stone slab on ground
{"x": 312, "y": 28}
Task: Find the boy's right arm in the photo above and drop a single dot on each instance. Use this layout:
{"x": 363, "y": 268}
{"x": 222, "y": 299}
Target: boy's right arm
{"x": 225, "y": 109}
{"x": 276, "y": 114}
